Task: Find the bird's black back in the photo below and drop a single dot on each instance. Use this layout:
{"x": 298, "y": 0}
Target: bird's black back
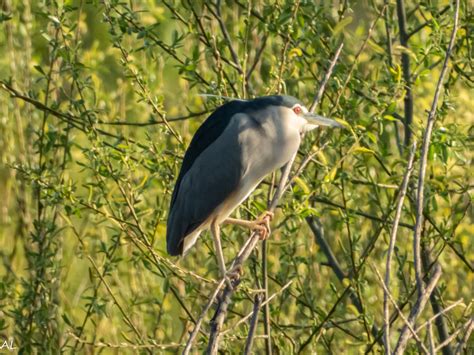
{"x": 217, "y": 122}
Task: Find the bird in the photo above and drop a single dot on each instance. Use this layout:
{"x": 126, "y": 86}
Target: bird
{"x": 239, "y": 144}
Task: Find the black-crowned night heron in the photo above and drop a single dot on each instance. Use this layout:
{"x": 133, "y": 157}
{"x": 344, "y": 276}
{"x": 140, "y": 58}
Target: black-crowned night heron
{"x": 233, "y": 150}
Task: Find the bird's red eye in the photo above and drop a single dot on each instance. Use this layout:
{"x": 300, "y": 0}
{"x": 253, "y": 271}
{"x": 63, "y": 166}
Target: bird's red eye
{"x": 297, "y": 110}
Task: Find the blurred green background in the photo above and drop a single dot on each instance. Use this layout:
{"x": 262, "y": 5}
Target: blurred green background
{"x": 87, "y": 167}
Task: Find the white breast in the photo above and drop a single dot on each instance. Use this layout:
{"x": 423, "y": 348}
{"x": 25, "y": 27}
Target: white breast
{"x": 266, "y": 146}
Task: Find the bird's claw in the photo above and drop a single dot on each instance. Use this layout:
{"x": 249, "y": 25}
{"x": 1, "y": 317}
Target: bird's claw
{"x": 234, "y": 274}
{"x": 262, "y": 224}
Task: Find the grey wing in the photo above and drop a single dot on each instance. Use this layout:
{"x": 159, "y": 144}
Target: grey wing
{"x": 213, "y": 177}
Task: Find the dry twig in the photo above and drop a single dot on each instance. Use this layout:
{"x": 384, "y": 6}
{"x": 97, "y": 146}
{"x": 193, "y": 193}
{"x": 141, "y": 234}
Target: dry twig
{"x": 393, "y": 238}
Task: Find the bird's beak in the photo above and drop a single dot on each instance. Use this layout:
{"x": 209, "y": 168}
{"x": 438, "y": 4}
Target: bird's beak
{"x": 315, "y": 119}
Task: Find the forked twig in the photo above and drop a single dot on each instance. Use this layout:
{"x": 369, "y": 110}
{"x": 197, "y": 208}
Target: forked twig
{"x": 400, "y": 313}
{"x": 416, "y": 310}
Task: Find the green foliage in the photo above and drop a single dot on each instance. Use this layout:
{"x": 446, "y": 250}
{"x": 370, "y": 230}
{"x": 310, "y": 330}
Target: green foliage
{"x": 99, "y": 102}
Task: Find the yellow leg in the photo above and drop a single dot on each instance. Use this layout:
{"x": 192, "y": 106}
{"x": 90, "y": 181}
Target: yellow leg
{"x": 261, "y": 224}
{"x": 216, "y": 231}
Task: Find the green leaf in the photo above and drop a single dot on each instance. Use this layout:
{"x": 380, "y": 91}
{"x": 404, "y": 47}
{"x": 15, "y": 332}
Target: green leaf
{"x": 5, "y": 17}
{"x": 54, "y": 19}
{"x": 38, "y": 68}
{"x": 302, "y": 185}
{"x": 340, "y": 26}
{"x": 363, "y": 150}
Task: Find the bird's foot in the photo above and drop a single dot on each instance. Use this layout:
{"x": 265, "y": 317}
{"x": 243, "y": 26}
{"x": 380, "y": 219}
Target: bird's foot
{"x": 262, "y": 224}
{"x": 233, "y": 275}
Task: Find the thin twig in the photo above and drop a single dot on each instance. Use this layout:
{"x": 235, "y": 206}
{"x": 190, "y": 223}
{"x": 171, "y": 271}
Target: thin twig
{"x": 253, "y": 324}
{"x": 393, "y": 238}
{"x": 109, "y": 290}
{"x": 267, "y": 301}
{"x": 356, "y": 58}
{"x": 359, "y": 213}
{"x": 325, "y": 80}
{"x": 154, "y": 122}
{"x": 445, "y": 310}
{"x": 466, "y": 337}
{"x": 303, "y": 164}
{"x": 257, "y": 58}
{"x": 453, "y": 336}
{"x": 427, "y": 23}
{"x": 124, "y": 345}
{"x": 217, "y": 14}
{"x": 424, "y": 157}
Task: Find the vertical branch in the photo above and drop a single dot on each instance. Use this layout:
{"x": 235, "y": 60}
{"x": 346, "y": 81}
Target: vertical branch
{"x": 266, "y": 307}
{"x": 424, "y": 156}
{"x": 253, "y": 324}
{"x": 408, "y": 100}
{"x": 226, "y": 35}
{"x": 390, "y": 63}
{"x": 393, "y": 238}
{"x": 435, "y": 304}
